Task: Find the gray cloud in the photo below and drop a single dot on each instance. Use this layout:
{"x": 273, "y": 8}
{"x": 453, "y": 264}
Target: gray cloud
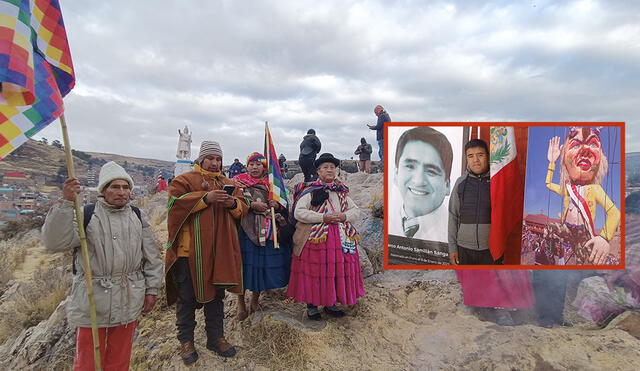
{"x": 145, "y": 69}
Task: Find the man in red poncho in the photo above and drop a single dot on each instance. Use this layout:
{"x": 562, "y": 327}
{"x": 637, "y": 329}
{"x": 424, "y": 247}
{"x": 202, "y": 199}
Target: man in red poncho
{"x": 203, "y": 257}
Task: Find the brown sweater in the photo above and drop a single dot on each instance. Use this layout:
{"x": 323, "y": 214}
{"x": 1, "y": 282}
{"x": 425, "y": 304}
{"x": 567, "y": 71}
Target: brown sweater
{"x": 209, "y": 233}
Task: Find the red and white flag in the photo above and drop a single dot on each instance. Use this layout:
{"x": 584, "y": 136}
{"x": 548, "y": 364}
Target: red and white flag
{"x": 507, "y": 191}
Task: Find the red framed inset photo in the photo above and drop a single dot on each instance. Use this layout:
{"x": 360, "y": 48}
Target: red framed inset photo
{"x": 547, "y": 195}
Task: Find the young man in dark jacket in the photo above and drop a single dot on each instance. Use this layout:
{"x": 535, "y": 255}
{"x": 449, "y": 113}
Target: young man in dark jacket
{"x": 470, "y": 210}
{"x": 469, "y": 224}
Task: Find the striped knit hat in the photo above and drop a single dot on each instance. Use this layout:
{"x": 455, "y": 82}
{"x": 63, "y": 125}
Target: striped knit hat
{"x": 255, "y": 156}
{"x": 208, "y": 148}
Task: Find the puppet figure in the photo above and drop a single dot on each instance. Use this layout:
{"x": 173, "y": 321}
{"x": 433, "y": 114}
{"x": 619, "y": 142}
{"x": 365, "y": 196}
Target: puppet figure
{"x": 583, "y": 166}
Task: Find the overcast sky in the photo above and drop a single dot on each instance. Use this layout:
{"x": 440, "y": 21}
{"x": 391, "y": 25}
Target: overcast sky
{"x": 146, "y": 68}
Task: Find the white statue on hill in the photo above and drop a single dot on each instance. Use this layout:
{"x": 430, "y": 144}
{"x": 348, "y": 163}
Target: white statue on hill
{"x": 183, "y": 164}
{"x": 184, "y": 145}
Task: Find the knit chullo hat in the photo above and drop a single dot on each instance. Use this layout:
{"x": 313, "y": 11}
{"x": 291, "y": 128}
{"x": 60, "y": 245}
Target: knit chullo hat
{"x": 256, "y": 156}
{"x": 110, "y": 172}
{"x": 208, "y": 147}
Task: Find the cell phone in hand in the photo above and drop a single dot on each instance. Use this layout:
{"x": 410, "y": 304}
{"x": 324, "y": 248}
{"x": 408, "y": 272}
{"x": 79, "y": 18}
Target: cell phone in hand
{"x": 229, "y": 189}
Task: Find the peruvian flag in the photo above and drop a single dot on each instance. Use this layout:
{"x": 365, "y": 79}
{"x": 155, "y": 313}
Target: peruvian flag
{"x": 507, "y": 194}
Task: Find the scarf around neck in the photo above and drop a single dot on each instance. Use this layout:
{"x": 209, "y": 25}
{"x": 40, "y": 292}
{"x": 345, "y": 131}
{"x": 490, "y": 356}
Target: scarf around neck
{"x": 245, "y": 180}
{"x": 320, "y": 231}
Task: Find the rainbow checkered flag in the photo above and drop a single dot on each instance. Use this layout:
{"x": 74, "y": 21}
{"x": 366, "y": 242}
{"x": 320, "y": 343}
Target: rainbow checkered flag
{"x": 36, "y": 70}
{"x": 277, "y": 189}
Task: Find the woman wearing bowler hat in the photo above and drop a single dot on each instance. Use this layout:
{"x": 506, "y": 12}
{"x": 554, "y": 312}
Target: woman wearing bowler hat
{"x": 325, "y": 266}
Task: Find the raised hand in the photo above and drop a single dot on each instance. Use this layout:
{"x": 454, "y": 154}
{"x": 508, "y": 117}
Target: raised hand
{"x": 554, "y": 149}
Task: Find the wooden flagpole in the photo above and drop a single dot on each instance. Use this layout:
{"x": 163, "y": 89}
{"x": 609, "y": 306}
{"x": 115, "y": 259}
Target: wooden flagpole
{"x": 267, "y": 141}
{"x": 83, "y": 248}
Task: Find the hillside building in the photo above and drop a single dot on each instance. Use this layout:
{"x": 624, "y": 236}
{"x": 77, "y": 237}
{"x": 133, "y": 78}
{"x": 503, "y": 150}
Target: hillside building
{"x": 15, "y": 178}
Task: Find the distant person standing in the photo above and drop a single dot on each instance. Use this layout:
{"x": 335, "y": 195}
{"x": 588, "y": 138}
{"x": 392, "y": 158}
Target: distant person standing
{"x": 281, "y": 160}
{"x": 383, "y": 117}
{"x": 283, "y": 164}
{"x": 364, "y": 151}
{"x": 309, "y": 148}
{"x": 162, "y": 184}
{"x": 236, "y": 168}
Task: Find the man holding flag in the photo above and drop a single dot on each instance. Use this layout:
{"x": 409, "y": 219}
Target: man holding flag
{"x": 125, "y": 262}
{"x": 36, "y": 72}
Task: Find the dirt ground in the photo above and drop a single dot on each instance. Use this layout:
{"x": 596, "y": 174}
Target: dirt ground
{"x": 397, "y": 325}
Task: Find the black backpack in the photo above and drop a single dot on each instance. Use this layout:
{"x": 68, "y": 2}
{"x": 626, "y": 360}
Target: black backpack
{"x": 88, "y": 213}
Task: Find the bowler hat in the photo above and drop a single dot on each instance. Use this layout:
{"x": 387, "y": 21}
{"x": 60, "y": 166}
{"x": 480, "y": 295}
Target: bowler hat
{"x": 326, "y": 157}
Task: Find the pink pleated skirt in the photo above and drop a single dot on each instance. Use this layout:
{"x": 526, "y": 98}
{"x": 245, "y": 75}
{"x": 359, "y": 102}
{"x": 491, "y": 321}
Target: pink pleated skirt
{"x": 324, "y": 275}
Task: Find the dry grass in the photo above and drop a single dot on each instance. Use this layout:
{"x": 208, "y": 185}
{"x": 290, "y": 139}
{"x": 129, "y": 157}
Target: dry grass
{"x": 34, "y": 311}
{"x": 12, "y": 256}
{"x": 377, "y": 205}
{"x": 278, "y": 346}
{"x": 6, "y": 330}
{"x": 62, "y": 361}
{"x": 34, "y": 302}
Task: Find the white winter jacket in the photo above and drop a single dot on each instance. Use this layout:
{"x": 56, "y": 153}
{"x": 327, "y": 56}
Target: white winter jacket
{"x": 125, "y": 261}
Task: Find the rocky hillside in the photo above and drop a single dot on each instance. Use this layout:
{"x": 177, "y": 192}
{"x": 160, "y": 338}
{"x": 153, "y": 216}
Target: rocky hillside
{"x": 408, "y": 320}
{"x": 35, "y": 159}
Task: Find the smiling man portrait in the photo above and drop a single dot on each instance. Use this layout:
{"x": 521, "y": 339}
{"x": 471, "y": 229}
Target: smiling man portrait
{"x": 423, "y": 161}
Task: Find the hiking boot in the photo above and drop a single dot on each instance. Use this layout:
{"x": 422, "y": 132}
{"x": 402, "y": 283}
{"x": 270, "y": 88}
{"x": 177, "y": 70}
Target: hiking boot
{"x": 334, "y": 311}
{"x": 188, "y": 353}
{"x": 222, "y": 347}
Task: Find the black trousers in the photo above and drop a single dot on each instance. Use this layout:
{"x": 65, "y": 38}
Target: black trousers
{"x": 476, "y": 257}
{"x": 309, "y": 171}
{"x": 186, "y": 306}
{"x": 550, "y": 289}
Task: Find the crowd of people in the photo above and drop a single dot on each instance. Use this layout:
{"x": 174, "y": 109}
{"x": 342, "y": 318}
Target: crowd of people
{"x": 226, "y": 234}
{"x": 531, "y": 240}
